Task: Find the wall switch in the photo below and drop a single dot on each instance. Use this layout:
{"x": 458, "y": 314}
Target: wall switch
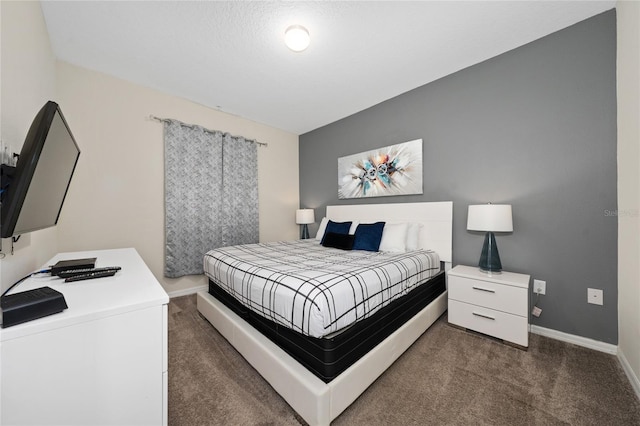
{"x": 539, "y": 287}
{"x": 594, "y": 295}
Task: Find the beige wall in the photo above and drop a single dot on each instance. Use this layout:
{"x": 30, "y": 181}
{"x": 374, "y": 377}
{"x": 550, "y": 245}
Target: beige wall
{"x": 27, "y": 83}
{"x": 116, "y": 198}
{"x": 628, "y": 21}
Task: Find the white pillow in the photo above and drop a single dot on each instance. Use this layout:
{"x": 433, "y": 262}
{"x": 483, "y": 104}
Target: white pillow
{"x": 394, "y": 238}
{"x": 354, "y": 226}
{"x": 413, "y": 236}
{"x": 322, "y": 228}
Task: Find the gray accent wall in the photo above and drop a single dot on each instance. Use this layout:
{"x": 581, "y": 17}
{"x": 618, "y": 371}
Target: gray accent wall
{"x": 534, "y": 127}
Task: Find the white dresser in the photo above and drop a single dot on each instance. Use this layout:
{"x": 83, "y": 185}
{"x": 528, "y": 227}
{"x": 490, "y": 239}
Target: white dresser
{"x": 101, "y": 361}
{"x": 496, "y": 305}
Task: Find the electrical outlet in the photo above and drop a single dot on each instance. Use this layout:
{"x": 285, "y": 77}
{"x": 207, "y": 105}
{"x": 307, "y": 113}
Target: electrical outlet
{"x": 595, "y": 296}
{"x": 539, "y": 287}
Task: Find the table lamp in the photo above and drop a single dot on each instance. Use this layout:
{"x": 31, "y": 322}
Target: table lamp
{"x": 305, "y": 217}
{"x": 490, "y": 218}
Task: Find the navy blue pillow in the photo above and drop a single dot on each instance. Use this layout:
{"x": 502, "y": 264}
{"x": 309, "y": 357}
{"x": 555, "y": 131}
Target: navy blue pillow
{"x": 336, "y": 228}
{"x": 368, "y": 236}
{"x": 339, "y": 241}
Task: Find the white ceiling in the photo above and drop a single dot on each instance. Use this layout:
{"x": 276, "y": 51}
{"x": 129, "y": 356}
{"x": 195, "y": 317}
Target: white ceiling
{"x": 230, "y": 55}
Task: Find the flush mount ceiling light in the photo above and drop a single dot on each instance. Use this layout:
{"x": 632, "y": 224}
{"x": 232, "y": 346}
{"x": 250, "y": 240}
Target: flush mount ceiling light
{"x": 296, "y": 37}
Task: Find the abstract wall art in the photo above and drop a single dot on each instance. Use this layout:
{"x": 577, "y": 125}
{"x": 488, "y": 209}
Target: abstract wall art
{"x": 392, "y": 170}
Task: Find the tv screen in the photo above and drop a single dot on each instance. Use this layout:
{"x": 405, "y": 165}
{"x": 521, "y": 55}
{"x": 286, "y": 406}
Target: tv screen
{"x": 34, "y": 190}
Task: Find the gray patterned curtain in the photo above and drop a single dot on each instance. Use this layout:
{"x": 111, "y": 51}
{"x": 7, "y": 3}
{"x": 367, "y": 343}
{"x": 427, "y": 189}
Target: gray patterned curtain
{"x": 211, "y": 194}
{"x": 239, "y": 191}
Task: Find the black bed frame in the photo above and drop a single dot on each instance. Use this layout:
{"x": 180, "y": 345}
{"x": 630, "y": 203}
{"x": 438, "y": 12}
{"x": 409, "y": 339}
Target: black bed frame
{"x": 330, "y": 356}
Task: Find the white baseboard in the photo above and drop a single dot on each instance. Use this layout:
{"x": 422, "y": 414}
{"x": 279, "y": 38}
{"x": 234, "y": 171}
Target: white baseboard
{"x": 187, "y": 291}
{"x": 576, "y": 340}
{"x": 633, "y": 378}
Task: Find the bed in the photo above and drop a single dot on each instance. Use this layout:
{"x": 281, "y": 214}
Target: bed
{"x": 321, "y": 370}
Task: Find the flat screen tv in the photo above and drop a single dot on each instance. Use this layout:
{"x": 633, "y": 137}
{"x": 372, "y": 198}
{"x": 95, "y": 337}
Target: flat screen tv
{"x": 34, "y": 190}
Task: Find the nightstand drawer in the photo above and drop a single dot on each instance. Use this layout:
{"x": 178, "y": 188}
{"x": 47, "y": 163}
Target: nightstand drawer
{"x": 492, "y": 295}
{"x": 498, "y": 324}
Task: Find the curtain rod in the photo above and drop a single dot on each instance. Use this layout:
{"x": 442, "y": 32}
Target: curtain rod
{"x": 168, "y": 120}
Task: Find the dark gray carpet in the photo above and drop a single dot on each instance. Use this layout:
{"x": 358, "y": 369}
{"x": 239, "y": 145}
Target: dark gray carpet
{"x": 448, "y": 377}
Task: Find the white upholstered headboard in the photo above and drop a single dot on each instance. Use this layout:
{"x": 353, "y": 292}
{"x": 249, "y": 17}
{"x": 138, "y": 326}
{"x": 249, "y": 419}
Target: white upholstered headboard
{"x": 436, "y": 218}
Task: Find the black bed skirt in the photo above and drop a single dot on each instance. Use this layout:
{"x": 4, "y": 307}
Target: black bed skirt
{"x": 328, "y": 357}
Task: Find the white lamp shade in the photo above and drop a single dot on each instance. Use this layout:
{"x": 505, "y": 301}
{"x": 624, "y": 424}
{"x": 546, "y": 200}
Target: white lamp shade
{"x": 490, "y": 218}
{"x": 305, "y": 216}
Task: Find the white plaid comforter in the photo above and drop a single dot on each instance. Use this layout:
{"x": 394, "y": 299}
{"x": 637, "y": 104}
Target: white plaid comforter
{"x": 313, "y": 289}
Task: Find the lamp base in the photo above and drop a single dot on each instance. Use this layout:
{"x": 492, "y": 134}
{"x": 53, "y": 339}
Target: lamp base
{"x": 490, "y": 273}
{"x": 305, "y": 232}
{"x": 490, "y": 258}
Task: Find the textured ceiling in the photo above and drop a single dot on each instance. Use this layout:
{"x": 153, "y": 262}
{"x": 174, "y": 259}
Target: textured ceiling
{"x": 231, "y": 56}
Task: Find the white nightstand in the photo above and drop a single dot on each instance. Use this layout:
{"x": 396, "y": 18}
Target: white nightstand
{"x": 496, "y": 305}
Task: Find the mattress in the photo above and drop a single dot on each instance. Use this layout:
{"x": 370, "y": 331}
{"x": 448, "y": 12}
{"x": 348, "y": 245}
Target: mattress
{"x": 315, "y": 290}
{"x": 327, "y": 357}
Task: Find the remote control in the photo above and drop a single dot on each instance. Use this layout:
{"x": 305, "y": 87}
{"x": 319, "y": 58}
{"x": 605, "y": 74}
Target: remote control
{"x": 90, "y": 275}
{"x": 73, "y": 272}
